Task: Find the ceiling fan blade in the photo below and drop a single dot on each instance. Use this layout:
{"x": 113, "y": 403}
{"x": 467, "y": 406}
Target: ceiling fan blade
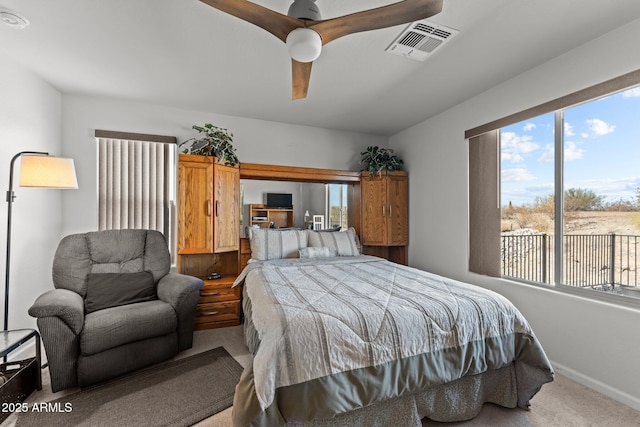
{"x": 301, "y": 74}
{"x": 398, "y": 13}
{"x": 276, "y": 23}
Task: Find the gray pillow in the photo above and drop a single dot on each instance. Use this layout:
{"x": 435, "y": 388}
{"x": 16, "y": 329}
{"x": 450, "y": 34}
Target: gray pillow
{"x": 317, "y": 252}
{"x": 105, "y": 290}
{"x": 272, "y": 243}
{"x": 344, "y": 242}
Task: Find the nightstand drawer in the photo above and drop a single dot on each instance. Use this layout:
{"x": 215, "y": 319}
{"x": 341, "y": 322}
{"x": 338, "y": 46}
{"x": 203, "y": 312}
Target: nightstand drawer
{"x": 218, "y": 311}
{"x": 218, "y": 294}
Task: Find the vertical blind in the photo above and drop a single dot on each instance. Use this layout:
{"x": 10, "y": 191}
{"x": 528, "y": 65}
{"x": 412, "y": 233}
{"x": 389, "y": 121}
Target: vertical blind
{"x": 133, "y": 183}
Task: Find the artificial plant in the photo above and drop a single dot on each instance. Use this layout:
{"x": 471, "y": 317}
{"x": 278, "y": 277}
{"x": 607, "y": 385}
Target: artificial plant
{"x": 380, "y": 159}
{"x": 213, "y": 141}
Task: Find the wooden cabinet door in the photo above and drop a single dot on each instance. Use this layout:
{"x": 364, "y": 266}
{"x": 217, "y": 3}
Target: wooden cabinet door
{"x": 374, "y": 211}
{"x": 226, "y": 211}
{"x": 195, "y": 191}
{"x": 397, "y": 210}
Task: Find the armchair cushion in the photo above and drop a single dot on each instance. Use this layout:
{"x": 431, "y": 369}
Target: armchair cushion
{"x": 111, "y": 327}
{"x": 105, "y": 290}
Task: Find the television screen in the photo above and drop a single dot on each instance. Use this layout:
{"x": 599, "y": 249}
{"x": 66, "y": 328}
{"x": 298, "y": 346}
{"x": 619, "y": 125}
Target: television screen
{"x": 279, "y": 200}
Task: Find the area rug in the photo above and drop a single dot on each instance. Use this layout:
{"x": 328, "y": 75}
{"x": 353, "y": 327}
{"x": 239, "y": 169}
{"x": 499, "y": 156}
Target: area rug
{"x": 176, "y": 393}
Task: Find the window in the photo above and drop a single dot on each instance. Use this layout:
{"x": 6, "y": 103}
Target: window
{"x": 598, "y": 172}
{"x": 136, "y": 182}
{"x": 337, "y": 206}
{"x": 568, "y": 193}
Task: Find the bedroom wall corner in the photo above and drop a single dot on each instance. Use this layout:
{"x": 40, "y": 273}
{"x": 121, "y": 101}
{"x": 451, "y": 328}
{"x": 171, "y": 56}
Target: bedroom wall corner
{"x": 30, "y": 120}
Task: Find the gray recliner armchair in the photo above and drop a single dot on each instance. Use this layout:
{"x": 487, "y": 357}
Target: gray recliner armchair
{"x": 116, "y": 308}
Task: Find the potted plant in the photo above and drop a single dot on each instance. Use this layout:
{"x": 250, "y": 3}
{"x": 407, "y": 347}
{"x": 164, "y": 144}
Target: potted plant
{"x": 380, "y": 159}
{"x": 213, "y": 141}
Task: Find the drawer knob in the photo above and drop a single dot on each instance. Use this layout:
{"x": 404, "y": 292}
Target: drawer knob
{"x": 209, "y": 313}
{"x": 209, "y": 294}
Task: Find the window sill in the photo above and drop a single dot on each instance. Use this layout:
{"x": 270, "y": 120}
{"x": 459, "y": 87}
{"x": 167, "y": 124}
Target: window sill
{"x": 586, "y": 293}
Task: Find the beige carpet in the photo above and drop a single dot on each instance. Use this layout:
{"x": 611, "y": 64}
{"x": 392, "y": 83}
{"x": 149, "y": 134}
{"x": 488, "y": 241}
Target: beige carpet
{"x": 562, "y": 403}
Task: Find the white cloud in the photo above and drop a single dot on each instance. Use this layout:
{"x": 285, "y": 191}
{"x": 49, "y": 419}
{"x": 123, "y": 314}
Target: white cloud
{"x": 511, "y": 157}
{"x": 529, "y": 127}
{"x": 514, "y": 147}
{"x": 568, "y": 129}
{"x": 612, "y": 188}
{"x": 517, "y": 174}
{"x": 548, "y": 154}
{"x": 600, "y": 127}
{"x": 572, "y": 152}
{"x": 522, "y": 144}
{"x": 631, "y": 93}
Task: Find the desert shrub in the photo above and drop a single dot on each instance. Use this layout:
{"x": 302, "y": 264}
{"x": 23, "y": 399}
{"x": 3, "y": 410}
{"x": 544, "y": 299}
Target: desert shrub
{"x": 621, "y": 205}
{"x": 578, "y": 199}
{"x": 544, "y": 205}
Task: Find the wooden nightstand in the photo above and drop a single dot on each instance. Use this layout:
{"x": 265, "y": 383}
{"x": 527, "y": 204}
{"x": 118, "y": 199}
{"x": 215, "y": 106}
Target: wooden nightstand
{"x": 219, "y": 304}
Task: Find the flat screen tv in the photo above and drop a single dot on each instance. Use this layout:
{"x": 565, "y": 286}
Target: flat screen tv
{"x": 279, "y": 200}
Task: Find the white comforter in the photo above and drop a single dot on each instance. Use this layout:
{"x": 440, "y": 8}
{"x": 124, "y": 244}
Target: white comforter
{"x": 321, "y": 317}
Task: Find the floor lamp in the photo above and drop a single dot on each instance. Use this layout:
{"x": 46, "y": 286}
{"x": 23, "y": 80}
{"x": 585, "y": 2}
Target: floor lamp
{"x": 37, "y": 169}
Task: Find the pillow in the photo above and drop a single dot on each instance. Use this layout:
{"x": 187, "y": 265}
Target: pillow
{"x": 317, "y": 252}
{"x": 105, "y": 290}
{"x": 271, "y": 243}
{"x": 344, "y": 242}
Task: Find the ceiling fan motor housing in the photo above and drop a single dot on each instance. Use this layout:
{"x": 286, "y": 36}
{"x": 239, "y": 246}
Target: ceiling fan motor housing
{"x": 304, "y": 9}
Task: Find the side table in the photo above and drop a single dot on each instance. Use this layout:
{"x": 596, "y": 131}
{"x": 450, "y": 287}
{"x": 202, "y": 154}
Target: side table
{"x": 21, "y": 377}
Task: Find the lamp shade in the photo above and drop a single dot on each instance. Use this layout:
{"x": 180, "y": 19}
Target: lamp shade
{"x": 47, "y": 172}
{"x": 304, "y": 44}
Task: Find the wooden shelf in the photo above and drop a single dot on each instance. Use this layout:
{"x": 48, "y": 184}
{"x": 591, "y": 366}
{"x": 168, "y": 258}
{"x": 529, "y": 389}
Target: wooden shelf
{"x": 281, "y": 217}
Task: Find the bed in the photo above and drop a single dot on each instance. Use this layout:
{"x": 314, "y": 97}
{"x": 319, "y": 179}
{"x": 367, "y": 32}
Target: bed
{"x": 342, "y": 339}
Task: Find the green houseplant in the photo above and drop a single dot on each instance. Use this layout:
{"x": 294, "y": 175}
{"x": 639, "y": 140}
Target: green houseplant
{"x": 212, "y": 141}
{"x": 380, "y": 159}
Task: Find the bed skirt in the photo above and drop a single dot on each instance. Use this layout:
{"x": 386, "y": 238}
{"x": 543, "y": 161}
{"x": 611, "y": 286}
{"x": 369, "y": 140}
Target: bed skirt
{"x": 455, "y": 401}
{"x": 459, "y": 400}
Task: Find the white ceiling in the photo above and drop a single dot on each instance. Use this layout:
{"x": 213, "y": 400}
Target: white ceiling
{"x": 186, "y": 54}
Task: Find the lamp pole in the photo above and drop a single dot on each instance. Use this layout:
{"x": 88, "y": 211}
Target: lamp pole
{"x": 10, "y": 197}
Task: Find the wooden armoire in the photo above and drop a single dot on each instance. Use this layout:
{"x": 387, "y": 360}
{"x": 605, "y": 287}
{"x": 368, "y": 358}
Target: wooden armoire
{"x": 384, "y": 229}
{"x": 209, "y": 235}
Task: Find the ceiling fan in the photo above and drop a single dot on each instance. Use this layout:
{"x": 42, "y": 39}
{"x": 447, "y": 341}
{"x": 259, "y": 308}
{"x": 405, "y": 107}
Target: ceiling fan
{"x": 304, "y": 32}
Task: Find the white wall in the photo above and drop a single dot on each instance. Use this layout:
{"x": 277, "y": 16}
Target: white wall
{"x": 256, "y": 141}
{"x": 29, "y": 121}
{"x": 593, "y": 342}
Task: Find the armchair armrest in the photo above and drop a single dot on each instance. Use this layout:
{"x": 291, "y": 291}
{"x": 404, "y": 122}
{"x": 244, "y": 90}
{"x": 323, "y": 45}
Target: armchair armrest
{"x": 61, "y": 303}
{"x": 174, "y": 288}
{"x": 182, "y": 292}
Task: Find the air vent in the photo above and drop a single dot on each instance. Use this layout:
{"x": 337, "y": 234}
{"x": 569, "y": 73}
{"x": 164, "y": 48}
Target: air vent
{"x": 421, "y": 39}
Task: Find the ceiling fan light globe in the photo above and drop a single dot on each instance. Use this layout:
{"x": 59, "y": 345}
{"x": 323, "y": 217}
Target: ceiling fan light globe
{"x": 304, "y": 45}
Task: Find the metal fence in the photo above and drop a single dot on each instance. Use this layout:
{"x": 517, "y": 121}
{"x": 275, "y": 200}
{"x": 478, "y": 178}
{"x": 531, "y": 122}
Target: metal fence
{"x": 589, "y": 260}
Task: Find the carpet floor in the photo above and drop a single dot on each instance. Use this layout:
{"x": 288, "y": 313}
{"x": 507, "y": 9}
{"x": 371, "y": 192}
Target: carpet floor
{"x": 561, "y": 403}
{"x": 177, "y": 393}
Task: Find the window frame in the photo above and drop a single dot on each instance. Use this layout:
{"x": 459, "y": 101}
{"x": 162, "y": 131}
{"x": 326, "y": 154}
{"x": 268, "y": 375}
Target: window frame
{"x": 478, "y": 260}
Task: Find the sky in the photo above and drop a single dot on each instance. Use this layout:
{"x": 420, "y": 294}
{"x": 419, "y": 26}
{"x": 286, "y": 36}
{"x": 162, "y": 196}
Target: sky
{"x": 601, "y": 151}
